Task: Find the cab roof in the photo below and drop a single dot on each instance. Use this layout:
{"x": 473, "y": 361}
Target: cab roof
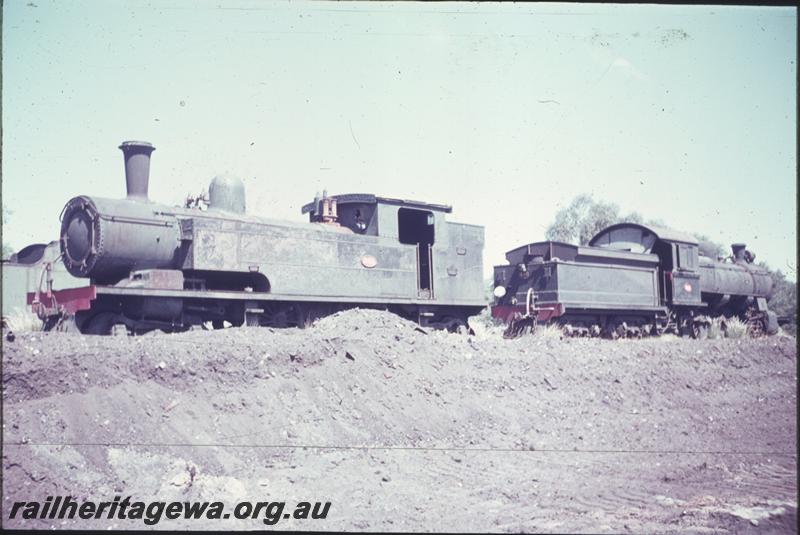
{"x": 661, "y": 233}
{"x": 368, "y": 198}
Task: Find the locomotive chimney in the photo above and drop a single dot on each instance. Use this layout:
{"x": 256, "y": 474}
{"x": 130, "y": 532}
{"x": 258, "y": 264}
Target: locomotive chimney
{"x": 738, "y": 251}
{"x": 137, "y": 168}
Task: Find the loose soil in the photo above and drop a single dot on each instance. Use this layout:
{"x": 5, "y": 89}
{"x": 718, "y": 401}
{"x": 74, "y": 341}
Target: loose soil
{"x": 402, "y": 429}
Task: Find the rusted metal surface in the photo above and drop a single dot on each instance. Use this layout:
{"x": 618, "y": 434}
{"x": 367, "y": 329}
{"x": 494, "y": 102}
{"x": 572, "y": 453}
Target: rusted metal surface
{"x": 632, "y": 280}
{"x": 165, "y": 279}
{"x": 106, "y": 239}
{"x": 356, "y": 248}
{"x": 315, "y": 259}
{"x": 579, "y": 284}
{"x": 734, "y": 278}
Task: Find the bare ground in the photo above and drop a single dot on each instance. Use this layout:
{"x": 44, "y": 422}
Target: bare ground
{"x": 402, "y": 430}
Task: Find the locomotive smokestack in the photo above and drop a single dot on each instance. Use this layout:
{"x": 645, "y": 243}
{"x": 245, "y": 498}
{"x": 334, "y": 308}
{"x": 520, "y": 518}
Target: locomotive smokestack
{"x": 137, "y": 168}
{"x": 738, "y": 251}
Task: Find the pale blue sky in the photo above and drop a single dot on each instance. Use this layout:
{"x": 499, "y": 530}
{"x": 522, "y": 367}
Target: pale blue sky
{"x": 507, "y": 111}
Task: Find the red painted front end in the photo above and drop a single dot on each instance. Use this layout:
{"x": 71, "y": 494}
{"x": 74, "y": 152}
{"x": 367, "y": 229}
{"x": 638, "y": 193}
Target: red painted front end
{"x": 69, "y": 301}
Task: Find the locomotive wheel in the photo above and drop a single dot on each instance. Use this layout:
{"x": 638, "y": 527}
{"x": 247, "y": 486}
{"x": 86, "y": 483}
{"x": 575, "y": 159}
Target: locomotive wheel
{"x": 67, "y": 325}
{"x": 615, "y": 329}
{"x": 520, "y": 325}
{"x": 699, "y": 331}
{"x": 285, "y": 316}
{"x": 104, "y": 323}
{"x": 50, "y": 322}
{"x": 755, "y": 328}
{"x": 456, "y": 325}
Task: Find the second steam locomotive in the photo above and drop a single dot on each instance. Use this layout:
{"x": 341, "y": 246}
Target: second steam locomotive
{"x": 631, "y": 280}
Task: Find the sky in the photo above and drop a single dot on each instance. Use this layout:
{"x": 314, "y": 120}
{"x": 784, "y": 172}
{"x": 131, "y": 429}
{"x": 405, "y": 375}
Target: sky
{"x": 685, "y": 114}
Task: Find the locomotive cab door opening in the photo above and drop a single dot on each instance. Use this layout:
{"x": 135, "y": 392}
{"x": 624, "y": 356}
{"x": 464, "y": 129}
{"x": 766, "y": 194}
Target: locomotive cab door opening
{"x": 416, "y": 227}
{"x": 666, "y": 255}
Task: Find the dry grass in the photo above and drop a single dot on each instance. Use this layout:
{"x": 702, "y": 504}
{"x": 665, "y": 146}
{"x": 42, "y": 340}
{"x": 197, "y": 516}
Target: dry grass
{"x": 548, "y": 332}
{"x": 735, "y": 328}
{"x": 485, "y": 326}
{"x": 22, "y": 321}
{"x": 715, "y": 329}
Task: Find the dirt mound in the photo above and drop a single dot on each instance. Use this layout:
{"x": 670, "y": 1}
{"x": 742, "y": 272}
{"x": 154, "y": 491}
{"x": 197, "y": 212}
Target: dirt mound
{"x": 404, "y": 428}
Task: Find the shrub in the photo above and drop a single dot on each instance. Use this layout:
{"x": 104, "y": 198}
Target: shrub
{"x": 485, "y": 326}
{"x": 735, "y": 328}
{"x": 715, "y": 329}
{"x": 22, "y": 321}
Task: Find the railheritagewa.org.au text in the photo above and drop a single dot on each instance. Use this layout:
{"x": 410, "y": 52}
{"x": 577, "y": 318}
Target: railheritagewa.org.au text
{"x": 151, "y": 513}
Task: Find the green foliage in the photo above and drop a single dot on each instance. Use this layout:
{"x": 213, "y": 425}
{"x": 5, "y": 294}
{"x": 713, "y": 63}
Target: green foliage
{"x": 585, "y": 217}
{"x": 784, "y": 296}
{"x": 710, "y": 248}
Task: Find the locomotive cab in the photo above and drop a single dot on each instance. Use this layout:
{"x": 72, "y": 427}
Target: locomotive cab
{"x": 678, "y": 253}
{"x": 410, "y": 223}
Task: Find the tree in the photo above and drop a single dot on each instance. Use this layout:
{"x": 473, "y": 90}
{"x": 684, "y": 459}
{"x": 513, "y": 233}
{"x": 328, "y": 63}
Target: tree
{"x": 585, "y": 217}
{"x": 784, "y": 292}
{"x": 709, "y": 247}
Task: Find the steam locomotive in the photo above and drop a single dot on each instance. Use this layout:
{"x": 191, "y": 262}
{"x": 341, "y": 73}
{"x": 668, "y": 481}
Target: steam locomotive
{"x": 631, "y": 280}
{"x": 153, "y": 266}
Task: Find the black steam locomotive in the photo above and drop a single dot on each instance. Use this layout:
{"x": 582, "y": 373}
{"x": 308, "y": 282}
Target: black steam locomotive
{"x": 631, "y": 280}
{"x": 153, "y": 266}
